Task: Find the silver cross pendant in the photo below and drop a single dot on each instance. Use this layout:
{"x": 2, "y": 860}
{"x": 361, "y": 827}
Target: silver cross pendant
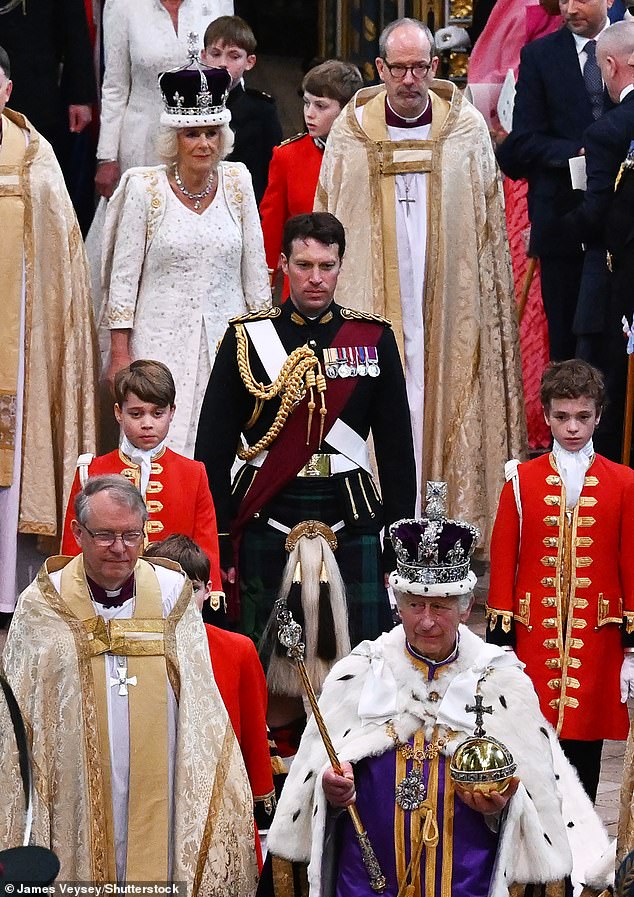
{"x": 122, "y": 681}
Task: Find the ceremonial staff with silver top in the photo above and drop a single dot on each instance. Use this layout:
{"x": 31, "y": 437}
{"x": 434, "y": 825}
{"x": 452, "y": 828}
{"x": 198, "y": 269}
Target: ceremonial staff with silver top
{"x": 292, "y": 638}
{"x": 449, "y": 812}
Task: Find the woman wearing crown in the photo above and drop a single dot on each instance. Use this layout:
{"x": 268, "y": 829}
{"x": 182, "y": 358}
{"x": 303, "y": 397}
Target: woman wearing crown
{"x": 183, "y": 247}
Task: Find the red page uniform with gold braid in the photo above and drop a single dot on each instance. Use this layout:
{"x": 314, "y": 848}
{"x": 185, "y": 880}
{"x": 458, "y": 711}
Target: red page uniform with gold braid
{"x": 562, "y": 592}
{"x": 177, "y": 498}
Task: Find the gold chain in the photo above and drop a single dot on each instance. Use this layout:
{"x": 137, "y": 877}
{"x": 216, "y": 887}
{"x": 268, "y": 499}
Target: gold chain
{"x": 408, "y": 752}
{"x": 296, "y": 376}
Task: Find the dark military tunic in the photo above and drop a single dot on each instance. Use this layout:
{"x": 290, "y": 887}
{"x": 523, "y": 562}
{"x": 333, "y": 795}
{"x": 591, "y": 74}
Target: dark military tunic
{"x": 378, "y": 405}
{"x": 257, "y": 128}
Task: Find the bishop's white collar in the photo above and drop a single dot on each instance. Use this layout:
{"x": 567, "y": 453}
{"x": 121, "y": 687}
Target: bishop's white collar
{"x": 572, "y": 468}
{"x": 142, "y": 457}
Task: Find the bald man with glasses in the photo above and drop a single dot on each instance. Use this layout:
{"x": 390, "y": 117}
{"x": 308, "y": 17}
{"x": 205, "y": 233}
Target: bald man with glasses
{"x": 409, "y": 171}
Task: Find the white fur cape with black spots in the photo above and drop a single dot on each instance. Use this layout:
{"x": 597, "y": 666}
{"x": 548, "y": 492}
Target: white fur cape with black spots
{"x": 548, "y": 822}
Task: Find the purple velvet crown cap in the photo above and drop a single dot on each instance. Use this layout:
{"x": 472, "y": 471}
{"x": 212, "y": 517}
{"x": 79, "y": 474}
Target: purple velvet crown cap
{"x": 195, "y": 90}
{"x": 406, "y": 535}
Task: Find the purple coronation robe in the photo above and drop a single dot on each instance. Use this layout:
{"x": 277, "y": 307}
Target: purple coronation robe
{"x": 460, "y": 865}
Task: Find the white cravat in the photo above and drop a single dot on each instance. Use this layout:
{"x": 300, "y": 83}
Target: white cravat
{"x": 142, "y": 458}
{"x": 572, "y": 468}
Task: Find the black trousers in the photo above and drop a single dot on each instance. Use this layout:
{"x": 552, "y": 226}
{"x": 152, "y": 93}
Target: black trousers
{"x": 585, "y": 756}
{"x": 561, "y": 279}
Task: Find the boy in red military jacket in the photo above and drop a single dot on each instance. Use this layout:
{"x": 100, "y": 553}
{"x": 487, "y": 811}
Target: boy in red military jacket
{"x": 237, "y": 671}
{"x": 562, "y": 579}
{"x": 296, "y": 163}
{"x": 175, "y": 488}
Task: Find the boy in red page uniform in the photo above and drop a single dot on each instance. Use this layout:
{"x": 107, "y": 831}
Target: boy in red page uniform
{"x": 175, "y": 489}
{"x": 562, "y": 580}
{"x": 237, "y": 671}
{"x": 296, "y": 163}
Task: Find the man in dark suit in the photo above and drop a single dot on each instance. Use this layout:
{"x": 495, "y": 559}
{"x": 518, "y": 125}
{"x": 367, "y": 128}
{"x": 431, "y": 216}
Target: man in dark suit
{"x": 606, "y": 143}
{"x": 559, "y": 94}
{"x": 620, "y": 242}
{"x": 612, "y": 218}
{"x": 43, "y": 39}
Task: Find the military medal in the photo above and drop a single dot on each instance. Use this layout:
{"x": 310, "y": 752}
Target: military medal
{"x": 343, "y": 367}
{"x": 330, "y": 363}
{"x": 361, "y": 367}
{"x": 373, "y": 362}
{"x": 410, "y": 792}
{"x": 350, "y": 356}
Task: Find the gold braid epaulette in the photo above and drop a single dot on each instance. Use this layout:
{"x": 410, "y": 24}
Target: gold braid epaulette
{"x": 300, "y": 372}
{"x": 259, "y": 315}
{"x": 353, "y": 314}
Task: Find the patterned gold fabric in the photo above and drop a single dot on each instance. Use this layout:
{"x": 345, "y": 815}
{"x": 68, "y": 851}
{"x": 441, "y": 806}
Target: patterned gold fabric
{"x": 625, "y": 839}
{"x": 47, "y": 660}
{"x": 12, "y": 150}
{"x": 474, "y": 410}
{"x": 60, "y": 345}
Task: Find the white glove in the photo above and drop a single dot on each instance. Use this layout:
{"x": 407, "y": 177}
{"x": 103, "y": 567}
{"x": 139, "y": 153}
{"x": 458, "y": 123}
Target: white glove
{"x": 628, "y": 15}
{"x": 453, "y": 37}
{"x": 626, "y": 678}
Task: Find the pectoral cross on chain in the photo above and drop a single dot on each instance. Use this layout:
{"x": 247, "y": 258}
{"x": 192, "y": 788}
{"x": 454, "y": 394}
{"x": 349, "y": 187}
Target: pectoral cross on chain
{"x": 122, "y": 681}
{"x": 407, "y": 199}
{"x": 479, "y": 711}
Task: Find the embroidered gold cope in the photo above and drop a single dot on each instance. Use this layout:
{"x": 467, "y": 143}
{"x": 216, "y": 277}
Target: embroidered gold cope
{"x": 55, "y": 662}
{"x": 473, "y": 400}
{"x": 12, "y": 152}
{"x": 42, "y": 267}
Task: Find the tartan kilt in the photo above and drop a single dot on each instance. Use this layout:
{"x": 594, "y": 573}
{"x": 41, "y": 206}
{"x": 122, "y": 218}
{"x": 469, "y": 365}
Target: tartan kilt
{"x": 263, "y": 558}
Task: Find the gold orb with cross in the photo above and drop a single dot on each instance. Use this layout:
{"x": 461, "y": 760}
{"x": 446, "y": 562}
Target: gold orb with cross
{"x": 480, "y": 762}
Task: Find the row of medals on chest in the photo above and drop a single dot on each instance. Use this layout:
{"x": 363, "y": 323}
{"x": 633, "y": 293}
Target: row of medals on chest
{"x": 351, "y": 361}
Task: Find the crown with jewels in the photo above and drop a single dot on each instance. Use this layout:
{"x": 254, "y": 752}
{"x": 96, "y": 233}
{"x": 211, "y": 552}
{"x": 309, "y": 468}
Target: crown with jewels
{"x": 433, "y": 553}
{"x": 194, "y": 95}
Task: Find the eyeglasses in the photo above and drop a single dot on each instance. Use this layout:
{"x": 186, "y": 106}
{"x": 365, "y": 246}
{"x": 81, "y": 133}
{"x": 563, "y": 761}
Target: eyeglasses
{"x": 105, "y": 538}
{"x": 398, "y": 70}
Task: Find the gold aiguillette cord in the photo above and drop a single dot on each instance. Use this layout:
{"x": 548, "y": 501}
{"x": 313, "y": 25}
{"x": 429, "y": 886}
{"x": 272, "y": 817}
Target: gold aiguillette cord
{"x": 289, "y": 634}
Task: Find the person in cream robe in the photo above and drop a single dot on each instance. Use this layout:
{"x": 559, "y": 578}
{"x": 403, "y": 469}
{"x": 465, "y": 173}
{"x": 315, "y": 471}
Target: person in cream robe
{"x": 409, "y": 171}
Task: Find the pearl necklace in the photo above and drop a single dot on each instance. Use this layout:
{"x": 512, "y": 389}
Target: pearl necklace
{"x": 196, "y": 197}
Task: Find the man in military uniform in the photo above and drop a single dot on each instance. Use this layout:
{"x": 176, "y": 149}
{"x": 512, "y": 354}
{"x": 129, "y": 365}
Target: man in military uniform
{"x": 305, "y": 384}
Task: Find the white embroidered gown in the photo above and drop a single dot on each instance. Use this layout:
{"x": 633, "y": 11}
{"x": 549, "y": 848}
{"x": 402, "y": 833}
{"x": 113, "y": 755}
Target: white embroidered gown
{"x": 199, "y": 271}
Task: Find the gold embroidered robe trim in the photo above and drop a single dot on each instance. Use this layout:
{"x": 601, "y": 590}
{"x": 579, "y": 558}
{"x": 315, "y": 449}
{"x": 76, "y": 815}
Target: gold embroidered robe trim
{"x": 209, "y": 773}
{"x": 148, "y": 808}
{"x": 471, "y": 357}
{"x": 12, "y": 152}
{"x": 60, "y": 371}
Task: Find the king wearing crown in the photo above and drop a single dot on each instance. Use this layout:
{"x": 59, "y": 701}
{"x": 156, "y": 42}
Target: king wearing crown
{"x": 397, "y": 709}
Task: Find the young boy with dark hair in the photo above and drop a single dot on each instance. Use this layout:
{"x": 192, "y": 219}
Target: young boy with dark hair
{"x": 237, "y": 671}
{"x": 562, "y": 580}
{"x": 230, "y": 43}
{"x": 175, "y": 489}
{"x": 296, "y": 163}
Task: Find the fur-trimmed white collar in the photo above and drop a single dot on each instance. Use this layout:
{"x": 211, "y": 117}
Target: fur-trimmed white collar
{"x": 534, "y": 841}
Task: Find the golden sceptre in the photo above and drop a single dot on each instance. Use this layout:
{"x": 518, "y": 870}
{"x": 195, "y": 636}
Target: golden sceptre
{"x": 289, "y": 634}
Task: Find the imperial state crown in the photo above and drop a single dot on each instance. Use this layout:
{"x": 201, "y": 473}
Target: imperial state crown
{"x": 433, "y": 553}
